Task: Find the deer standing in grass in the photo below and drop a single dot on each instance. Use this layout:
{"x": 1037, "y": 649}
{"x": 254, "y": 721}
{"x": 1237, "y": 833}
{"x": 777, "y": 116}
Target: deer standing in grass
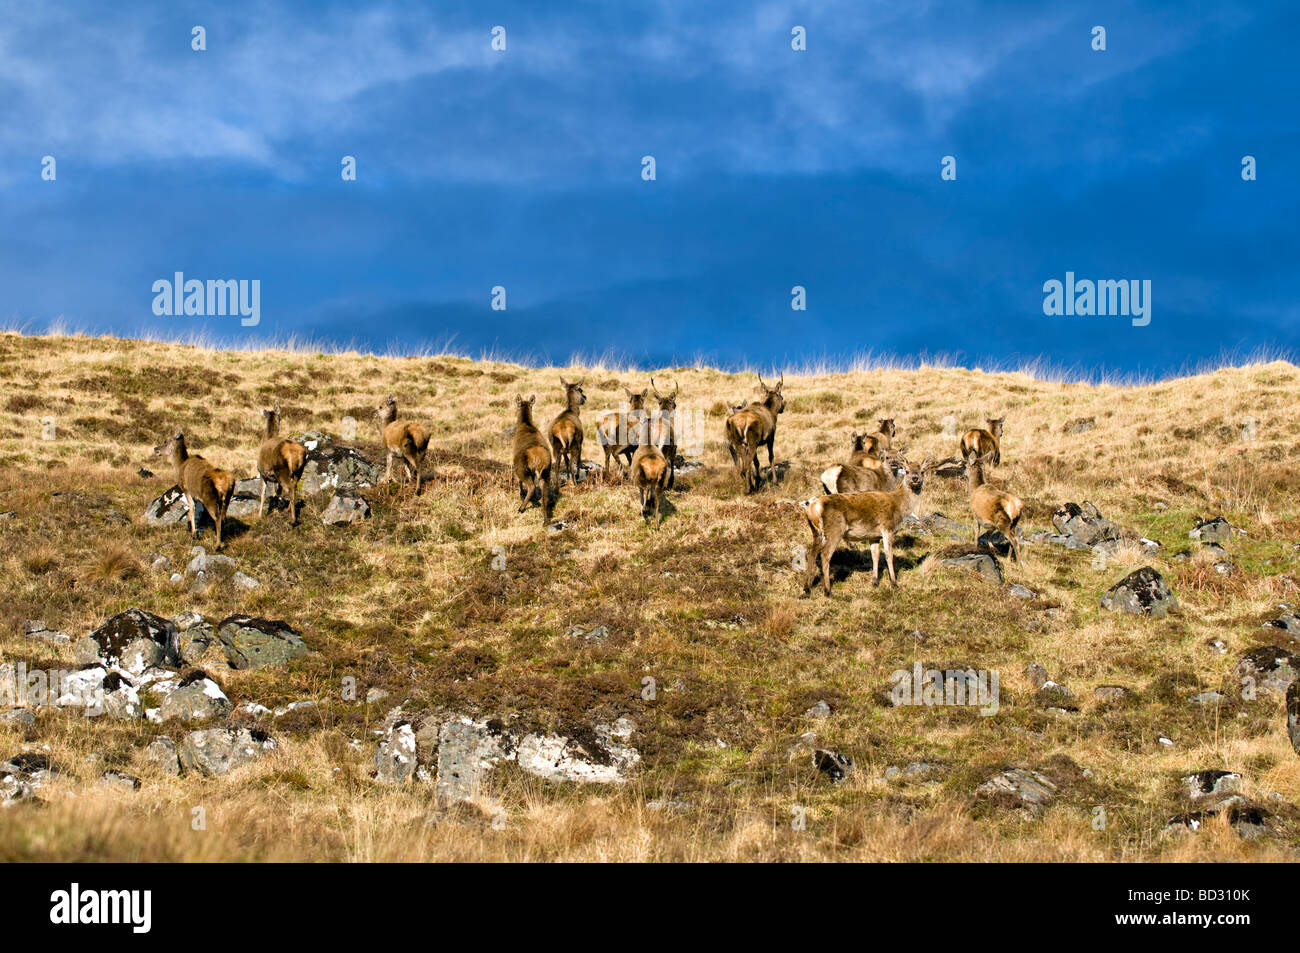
{"x": 281, "y": 460}
{"x": 665, "y": 432}
{"x": 984, "y": 442}
{"x": 616, "y": 430}
{"x": 405, "y": 438}
{"x": 199, "y": 480}
{"x": 856, "y": 517}
{"x": 995, "y": 507}
{"x": 873, "y": 445}
{"x": 566, "y": 431}
{"x": 651, "y": 473}
{"x": 531, "y": 460}
{"x": 754, "y": 427}
{"x": 867, "y": 473}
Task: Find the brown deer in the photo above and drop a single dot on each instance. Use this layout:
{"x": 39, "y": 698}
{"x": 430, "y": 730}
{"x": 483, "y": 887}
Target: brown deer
{"x": 666, "y": 429}
{"x": 404, "y": 438}
{"x": 199, "y": 480}
{"x": 875, "y": 444}
{"x": 873, "y": 473}
{"x": 279, "y": 460}
{"x": 531, "y": 460}
{"x": 616, "y": 430}
{"x": 650, "y": 475}
{"x": 984, "y": 442}
{"x": 566, "y": 430}
{"x": 856, "y": 517}
{"x": 995, "y": 507}
{"x": 754, "y": 427}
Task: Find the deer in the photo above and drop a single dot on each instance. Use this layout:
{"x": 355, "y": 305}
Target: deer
{"x": 531, "y": 460}
{"x": 280, "y": 460}
{"x": 996, "y": 507}
{"x": 199, "y": 480}
{"x": 651, "y": 475}
{"x": 873, "y": 444}
{"x": 405, "y": 438}
{"x": 566, "y": 430}
{"x": 615, "y": 429}
{"x": 754, "y": 427}
{"x": 873, "y": 515}
{"x": 984, "y": 442}
{"x": 665, "y": 428}
{"x": 873, "y": 473}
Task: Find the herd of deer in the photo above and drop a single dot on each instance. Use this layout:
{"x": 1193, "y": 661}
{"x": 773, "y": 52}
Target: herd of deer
{"x": 866, "y": 498}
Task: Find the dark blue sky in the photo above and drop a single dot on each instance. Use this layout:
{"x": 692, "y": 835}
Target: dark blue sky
{"x": 775, "y": 168}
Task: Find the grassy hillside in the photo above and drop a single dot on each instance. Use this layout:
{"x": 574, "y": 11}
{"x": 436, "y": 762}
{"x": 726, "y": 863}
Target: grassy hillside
{"x": 708, "y": 605}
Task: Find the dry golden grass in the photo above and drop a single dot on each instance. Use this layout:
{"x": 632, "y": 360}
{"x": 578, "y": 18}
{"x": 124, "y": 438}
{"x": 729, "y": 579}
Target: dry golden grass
{"x": 709, "y": 605}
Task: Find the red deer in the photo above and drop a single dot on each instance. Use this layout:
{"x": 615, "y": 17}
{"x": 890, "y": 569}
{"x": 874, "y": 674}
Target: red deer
{"x": 875, "y": 444}
{"x": 856, "y": 517}
{"x": 281, "y": 461}
{"x": 667, "y": 429}
{"x": 531, "y": 461}
{"x": 566, "y": 431}
{"x": 199, "y": 480}
{"x": 873, "y": 473}
{"x": 650, "y": 475}
{"x": 616, "y": 430}
{"x": 995, "y": 507}
{"x": 405, "y": 438}
{"x": 984, "y": 442}
{"x": 754, "y": 427}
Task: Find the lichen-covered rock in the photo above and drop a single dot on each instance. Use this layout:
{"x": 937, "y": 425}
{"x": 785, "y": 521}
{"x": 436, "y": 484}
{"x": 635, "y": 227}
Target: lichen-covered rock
{"x": 330, "y": 467}
{"x": 981, "y": 561}
{"x": 1272, "y": 668}
{"x": 346, "y": 506}
{"x": 467, "y": 752}
{"x": 1084, "y": 523}
{"x": 834, "y": 765}
{"x": 1025, "y": 791}
{"x": 162, "y": 755}
{"x": 1293, "y": 715}
{"x": 132, "y": 641}
{"x": 197, "y": 698}
{"x": 602, "y": 758}
{"x": 250, "y": 642}
{"x": 1211, "y": 783}
{"x": 395, "y": 761}
{"x": 170, "y": 509}
{"x": 195, "y": 637}
{"x": 1141, "y": 592}
{"x": 1217, "y": 530}
{"x": 217, "y": 751}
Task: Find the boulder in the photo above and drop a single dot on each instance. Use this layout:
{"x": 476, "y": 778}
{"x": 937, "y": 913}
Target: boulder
{"x": 1211, "y": 783}
{"x": 1217, "y": 530}
{"x": 1141, "y": 592}
{"x": 602, "y": 758}
{"x": 258, "y": 643}
{"x": 395, "y": 757}
{"x": 198, "y": 698}
{"x": 247, "y": 498}
{"x": 170, "y": 509}
{"x": 1025, "y": 791}
{"x": 329, "y": 467}
{"x": 35, "y": 629}
{"x": 1293, "y": 715}
{"x": 1272, "y": 667}
{"x": 834, "y": 765}
{"x": 981, "y": 561}
{"x": 1083, "y": 523}
{"x": 345, "y": 506}
{"x": 132, "y": 641}
{"x": 216, "y": 751}
{"x": 162, "y": 755}
{"x": 467, "y": 752}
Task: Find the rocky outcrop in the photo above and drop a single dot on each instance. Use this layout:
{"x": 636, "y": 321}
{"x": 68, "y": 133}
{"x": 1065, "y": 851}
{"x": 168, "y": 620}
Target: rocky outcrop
{"x": 346, "y": 506}
{"x": 217, "y": 751}
{"x": 1026, "y": 792}
{"x": 132, "y": 641}
{"x": 251, "y": 642}
{"x": 1141, "y": 592}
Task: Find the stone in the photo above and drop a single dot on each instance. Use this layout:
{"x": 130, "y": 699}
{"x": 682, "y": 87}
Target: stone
{"x": 1036, "y": 674}
{"x": 251, "y": 642}
{"x": 395, "y": 755}
{"x": 1142, "y": 591}
{"x": 1109, "y": 693}
{"x": 217, "y": 751}
{"x": 834, "y": 765}
{"x": 602, "y": 758}
{"x": 819, "y": 710}
{"x": 984, "y": 563}
{"x": 198, "y": 698}
{"x": 1272, "y": 668}
{"x": 1208, "y": 699}
{"x": 34, "y": 629}
{"x": 1021, "y": 592}
{"x": 162, "y": 755}
{"x": 132, "y": 641}
{"x": 1217, "y": 530}
{"x": 171, "y": 509}
{"x": 1021, "y": 789}
{"x": 118, "y": 781}
{"x": 1209, "y": 783}
{"x": 1080, "y": 425}
{"x": 467, "y": 752}
{"x": 597, "y": 635}
{"x": 345, "y": 506}
{"x": 195, "y": 637}
{"x": 215, "y": 565}
{"x": 244, "y": 582}
{"x": 1052, "y": 695}
{"x": 330, "y": 467}
{"x": 1084, "y": 523}
{"x": 912, "y": 771}
{"x": 18, "y": 716}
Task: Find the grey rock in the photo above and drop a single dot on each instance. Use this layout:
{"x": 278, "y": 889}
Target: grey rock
{"x": 1208, "y": 699}
{"x": 1109, "y": 693}
{"x": 35, "y": 629}
{"x": 217, "y": 751}
{"x": 1293, "y": 715}
{"x": 1052, "y": 695}
{"x": 170, "y": 509}
{"x": 244, "y": 582}
{"x": 251, "y": 642}
{"x": 1272, "y": 668}
{"x": 1021, "y": 592}
{"x": 1142, "y": 591}
{"x": 1080, "y": 425}
{"x": 1084, "y": 522}
{"x": 132, "y": 641}
{"x": 985, "y": 564}
{"x": 197, "y": 699}
{"x": 162, "y": 754}
{"x": 1036, "y": 674}
{"x": 467, "y": 752}
{"x": 216, "y": 565}
{"x": 1287, "y": 622}
{"x": 1210, "y": 783}
{"x": 1217, "y": 530}
{"x": 195, "y": 637}
{"x": 345, "y": 506}
{"x": 1021, "y": 789}
{"x": 330, "y": 467}
{"x": 395, "y": 756}
{"x": 605, "y": 758}
{"x": 597, "y": 635}
{"x": 118, "y": 781}
{"x": 819, "y": 710}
